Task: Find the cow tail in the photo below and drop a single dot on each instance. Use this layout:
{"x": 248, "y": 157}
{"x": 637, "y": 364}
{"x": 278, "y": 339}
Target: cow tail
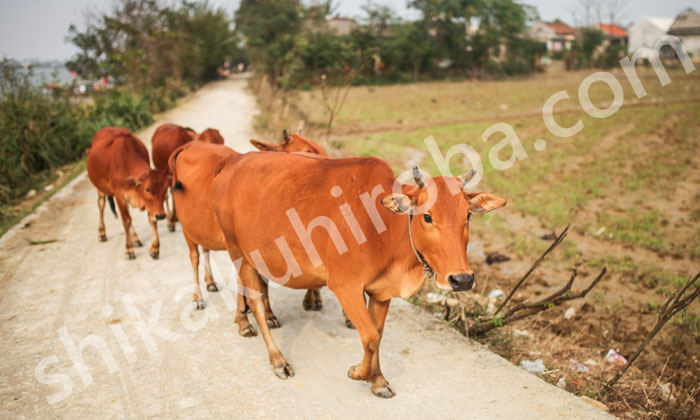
{"x": 177, "y": 185}
{"x": 110, "y": 200}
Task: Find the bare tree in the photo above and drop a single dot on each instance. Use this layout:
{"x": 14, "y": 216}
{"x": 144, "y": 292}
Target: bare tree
{"x": 616, "y": 10}
{"x": 586, "y": 12}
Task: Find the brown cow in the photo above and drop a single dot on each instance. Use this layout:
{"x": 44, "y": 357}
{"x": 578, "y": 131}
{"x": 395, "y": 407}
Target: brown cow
{"x": 300, "y": 144}
{"x": 169, "y": 137}
{"x": 119, "y": 167}
{"x": 194, "y": 167}
{"x": 280, "y": 202}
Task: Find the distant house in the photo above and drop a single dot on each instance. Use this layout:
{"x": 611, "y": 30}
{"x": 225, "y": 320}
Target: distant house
{"x": 686, "y": 26}
{"x": 646, "y": 31}
{"x": 614, "y": 34}
{"x": 554, "y": 36}
{"x": 342, "y": 26}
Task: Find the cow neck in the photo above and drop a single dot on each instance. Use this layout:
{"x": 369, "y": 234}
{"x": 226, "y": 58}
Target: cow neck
{"x": 428, "y": 271}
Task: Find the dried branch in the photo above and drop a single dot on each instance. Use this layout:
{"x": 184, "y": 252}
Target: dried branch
{"x": 520, "y": 282}
{"x": 676, "y": 303}
{"x": 525, "y": 309}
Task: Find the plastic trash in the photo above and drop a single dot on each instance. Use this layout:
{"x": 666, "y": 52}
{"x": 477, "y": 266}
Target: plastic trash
{"x": 578, "y": 367}
{"x": 665, "y": 390}
{"x": 434, "y": 297}
{"x": 614, "y": 357}
{"x": 533, "y": 366}
{"x": 493, "y": 297}
{"x": 496, "y": 293}
{"x": 569, "y": 313}
{"x": 561, "y": 383}
{"x": 521, "y": 333}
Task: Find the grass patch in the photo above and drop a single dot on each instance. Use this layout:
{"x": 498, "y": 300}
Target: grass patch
{"x": 636, "y": 227}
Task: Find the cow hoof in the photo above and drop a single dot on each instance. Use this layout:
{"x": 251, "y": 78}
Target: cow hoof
{"x": 383, "y": 391}
{"x": 307, "y": 305}
{"x": 138, "y": 243}
{"x": 248, "y": 331}
{"x": 103, "y": 238}
{"x": 355, "y": 374}
{"x": 348, "y": 324}
{"x": 130, "y": 255}
{"x": 154, "y": 254}
{"x": 272, "y": 322}
{"x": 198, "y": 304}
{"x": 283, "y": 372}
{"x": 171, "y": 228}
{"x": 318, "y": 305}
{"x": 211, "y": 287}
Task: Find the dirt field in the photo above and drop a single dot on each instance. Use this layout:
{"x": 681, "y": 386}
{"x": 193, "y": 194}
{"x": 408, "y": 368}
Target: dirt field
{"x": 60, "y": 287}
{"x": 629, "y": 184}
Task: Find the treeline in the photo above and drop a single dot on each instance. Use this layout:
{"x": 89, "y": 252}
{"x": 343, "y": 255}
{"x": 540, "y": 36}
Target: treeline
{"x": 293, "y": 45}
{"x": 155, "y": 49}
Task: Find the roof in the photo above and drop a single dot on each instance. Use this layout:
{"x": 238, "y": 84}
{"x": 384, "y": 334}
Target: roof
{"x": 561, "y": 28}
{"x": 687, "y": 23}
{"x": 613, "y": 30}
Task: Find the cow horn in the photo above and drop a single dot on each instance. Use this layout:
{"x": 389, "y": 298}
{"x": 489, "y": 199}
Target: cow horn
{"x": 418, "y": 177}
{"x": 466, "y": 177}
{"x": 285, "y": 135}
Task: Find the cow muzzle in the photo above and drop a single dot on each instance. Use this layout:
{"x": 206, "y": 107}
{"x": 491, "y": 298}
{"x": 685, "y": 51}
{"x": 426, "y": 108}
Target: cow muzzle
{"x": 461, "y": 282}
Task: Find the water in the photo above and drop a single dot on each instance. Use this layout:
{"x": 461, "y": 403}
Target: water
{"x": 44, "y": 75}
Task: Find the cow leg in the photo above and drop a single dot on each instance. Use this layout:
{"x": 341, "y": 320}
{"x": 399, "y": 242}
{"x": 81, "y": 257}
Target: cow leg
{"x": 272, "y": 320}
{"x": 244, "y": 327}
{"x": 208, "y": 278}
{"x": 252, "y": 280}
{"x": 155, "y": 245}
{"x": 135, "y": 237}
{"x": 126, "y": 221}
{"x": 197, "y": 300}
{"x": 312, "y": 300}
{"x": 170, "y": 213}
{"x": 380, "y": 386}
{"x": 102, "y": 234}
{"x": 356, "y": 309}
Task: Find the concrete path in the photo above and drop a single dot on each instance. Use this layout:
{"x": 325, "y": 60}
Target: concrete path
{"x": 147, "y": 356}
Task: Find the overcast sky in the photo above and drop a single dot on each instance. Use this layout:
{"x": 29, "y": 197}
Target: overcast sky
{"x": 37, "y": 28}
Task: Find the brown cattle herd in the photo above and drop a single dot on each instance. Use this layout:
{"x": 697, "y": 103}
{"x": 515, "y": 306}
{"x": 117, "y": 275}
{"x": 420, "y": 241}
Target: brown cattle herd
{"x": 290, "y": 214}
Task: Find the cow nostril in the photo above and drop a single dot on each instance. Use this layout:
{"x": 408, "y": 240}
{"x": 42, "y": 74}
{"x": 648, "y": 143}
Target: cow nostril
{"x": 160, "y": 216}
{"x": 470, "y": 281}
{"x": 454, "y": 281}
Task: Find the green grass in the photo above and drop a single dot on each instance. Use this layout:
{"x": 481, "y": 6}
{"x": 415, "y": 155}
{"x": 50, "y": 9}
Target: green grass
{"x": 637, "y": 227}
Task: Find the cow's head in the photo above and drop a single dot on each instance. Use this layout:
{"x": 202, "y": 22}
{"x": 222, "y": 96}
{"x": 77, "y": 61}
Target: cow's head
{"x": 211, "y": 135}
{"x": 291, "y": 143}
{"x": 147, "y": 192}
{"x": 440, "y": 233}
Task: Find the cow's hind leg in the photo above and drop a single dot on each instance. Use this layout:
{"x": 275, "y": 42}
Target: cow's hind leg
{"x": 170, "y": 213}
{"x": 272, "y": 320}
{"x": 126, "y": 221}
{"x": 312, "y": 300}
{"x": 252, "y": 280}
{"x": 208, "y": 278}
{"x": 197, "y": 300}
{"x": 102, "y": 234}
{"x": 244, "y": 327}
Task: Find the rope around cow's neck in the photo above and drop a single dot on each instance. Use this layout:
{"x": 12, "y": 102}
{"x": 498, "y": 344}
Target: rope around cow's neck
{"x": 428, "y": 271}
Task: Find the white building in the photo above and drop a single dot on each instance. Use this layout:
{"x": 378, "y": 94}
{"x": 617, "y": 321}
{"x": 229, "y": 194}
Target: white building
{"x": 646, "y": 31}
{"x": 686, "y": 26}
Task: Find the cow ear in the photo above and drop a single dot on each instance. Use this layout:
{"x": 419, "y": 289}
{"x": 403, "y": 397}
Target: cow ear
{"x": 264, "y": 146}
{"x": 133, "y": 181}
{"x": 484, "y": 203}
{"x": 398, "y": 203}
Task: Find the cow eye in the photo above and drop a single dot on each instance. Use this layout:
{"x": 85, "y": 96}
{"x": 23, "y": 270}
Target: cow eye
{"x": 427, "y": 218}
{"x": 148, "y": 190}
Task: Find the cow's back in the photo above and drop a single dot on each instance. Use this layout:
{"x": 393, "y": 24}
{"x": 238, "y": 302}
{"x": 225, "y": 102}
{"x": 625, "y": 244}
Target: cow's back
{"x": 255, "y": 192}
{"x": 166, "y": 139}
{"x": 115, "y": 154}
{"x": 194, "y": 166}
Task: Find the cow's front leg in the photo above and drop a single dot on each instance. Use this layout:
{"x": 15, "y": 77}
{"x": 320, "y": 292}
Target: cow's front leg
{"x": 170, "y": 213}
{"x": 380, "y": 386}
{"x": 102, "y": 234}
{"x": 135, "y": 237}
{"x": 353, "y": 303}
{"x": 272, "y": 320}
{"x": 155, "y": 245}
{"x": 126, "y": 221}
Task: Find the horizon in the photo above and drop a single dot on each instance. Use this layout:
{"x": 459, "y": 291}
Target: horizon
{"x": 23, "y": 43}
